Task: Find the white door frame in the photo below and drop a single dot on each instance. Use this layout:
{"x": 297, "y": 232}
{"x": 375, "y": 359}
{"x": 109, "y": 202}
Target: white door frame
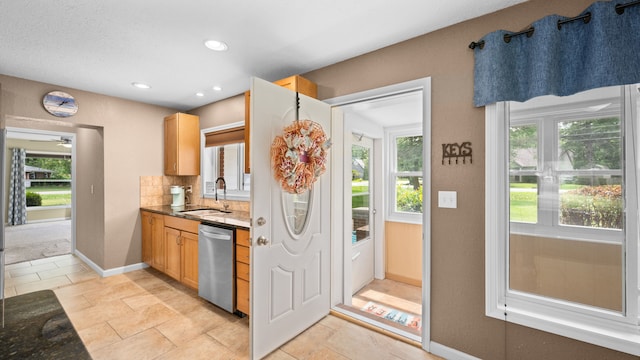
{"x": 337, "y": 208}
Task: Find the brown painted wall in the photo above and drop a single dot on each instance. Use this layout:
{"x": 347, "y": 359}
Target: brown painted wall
{"x": 220, "y": 113}
{"x": 132, "y": 138}
{"x": 457, "y": 270}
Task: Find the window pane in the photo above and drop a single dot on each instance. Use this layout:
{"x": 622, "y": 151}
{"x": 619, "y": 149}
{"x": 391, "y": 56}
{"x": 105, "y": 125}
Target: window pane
{"x": 409, "y": 153}
{"x": 49, "y": 181}
{"x": 361, "y": 196}
{"x": 225, "y": 161}
{"x": 523, "y": 144}
{"x": 589, "y": 144}
{"x": 584, "y": 272}
{"x": 591, "y": 201}
{"x": 523, "y": 198}
{"x": 360, "y": 217}
{"x": 566, "y": 183}
{"x": 409, "y": 194}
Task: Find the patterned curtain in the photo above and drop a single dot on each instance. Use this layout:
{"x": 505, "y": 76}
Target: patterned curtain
{"x": 560, "y": 56}
{"x": 17, "y": 189}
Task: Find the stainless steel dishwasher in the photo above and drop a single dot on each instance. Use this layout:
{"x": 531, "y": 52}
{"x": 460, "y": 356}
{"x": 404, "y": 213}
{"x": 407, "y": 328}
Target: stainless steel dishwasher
{"x": 215, "y": 265}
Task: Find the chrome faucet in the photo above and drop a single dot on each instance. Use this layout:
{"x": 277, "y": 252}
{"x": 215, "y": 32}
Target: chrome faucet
{"x": 224, "y": 187}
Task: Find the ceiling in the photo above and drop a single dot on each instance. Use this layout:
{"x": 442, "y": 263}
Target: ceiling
{"x": 105, "y": 46}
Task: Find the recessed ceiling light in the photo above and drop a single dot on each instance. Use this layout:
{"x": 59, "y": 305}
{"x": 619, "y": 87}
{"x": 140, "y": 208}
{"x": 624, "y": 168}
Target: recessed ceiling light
{"x": 199, "y": 94}
{"x": 216, "y": 45}
{"x": 140, "y": 85}
{"x": 217, "y": 88}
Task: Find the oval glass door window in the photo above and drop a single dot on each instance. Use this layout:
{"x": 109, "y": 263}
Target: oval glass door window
{"x": 296, "y": 209}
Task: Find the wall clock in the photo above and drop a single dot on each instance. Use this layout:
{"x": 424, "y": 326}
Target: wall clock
{"x": 59, "y": 103}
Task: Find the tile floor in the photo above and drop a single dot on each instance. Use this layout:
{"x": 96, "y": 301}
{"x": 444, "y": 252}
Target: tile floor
{"x": 146, "y": 315}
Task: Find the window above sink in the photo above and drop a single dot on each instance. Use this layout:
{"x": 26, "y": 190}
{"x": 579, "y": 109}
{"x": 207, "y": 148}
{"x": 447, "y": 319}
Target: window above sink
{"x": 222, "y": 155}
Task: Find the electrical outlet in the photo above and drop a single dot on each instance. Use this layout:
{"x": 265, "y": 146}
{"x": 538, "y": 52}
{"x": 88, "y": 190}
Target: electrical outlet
{"x": 448, "y": 199}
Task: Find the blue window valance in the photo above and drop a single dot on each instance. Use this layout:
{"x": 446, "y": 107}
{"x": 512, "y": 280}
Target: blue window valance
{"x": 560, "y": 56}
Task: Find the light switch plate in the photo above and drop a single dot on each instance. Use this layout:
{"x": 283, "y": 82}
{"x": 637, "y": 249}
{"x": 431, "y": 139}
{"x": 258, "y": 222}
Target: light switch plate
{"x": 448, "y": 199}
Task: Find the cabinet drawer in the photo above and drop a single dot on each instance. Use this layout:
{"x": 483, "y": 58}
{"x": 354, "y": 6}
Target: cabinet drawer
{"x": 242, "y": 254}
{"x": 242, "y": 300}
{"x": 181, "y": 224}
{"x": 242, "y": 237}
{"x": 242, "y": 270}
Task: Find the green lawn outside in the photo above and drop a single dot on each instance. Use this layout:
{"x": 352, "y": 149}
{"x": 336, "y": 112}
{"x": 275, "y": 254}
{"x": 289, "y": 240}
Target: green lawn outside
{"x": 66, "y": 187}
{"x": 359, "y": 201}
{"x": 524, "y": 204}
{"x": 53, "y": 199}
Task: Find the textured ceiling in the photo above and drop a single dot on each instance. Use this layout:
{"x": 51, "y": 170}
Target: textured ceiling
{"x": 104, "y": 46}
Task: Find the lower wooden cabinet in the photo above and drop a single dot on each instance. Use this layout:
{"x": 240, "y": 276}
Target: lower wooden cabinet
{"x": 170, "y": 245}
{"x": 181, "y": 246}
{"x": 242, "y": 270}
{"x": 153, "y": 252}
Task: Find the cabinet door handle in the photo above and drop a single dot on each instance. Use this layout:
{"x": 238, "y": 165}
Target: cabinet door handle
{"x": 177, "y": 240}
{"x": 175, "y": 166}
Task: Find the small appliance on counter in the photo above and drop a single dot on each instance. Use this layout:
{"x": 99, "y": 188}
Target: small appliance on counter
{"x": 178, "y": 196}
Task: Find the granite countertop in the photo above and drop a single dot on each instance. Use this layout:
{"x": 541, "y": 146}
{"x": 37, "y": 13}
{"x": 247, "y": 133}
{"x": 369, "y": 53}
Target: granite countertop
{"x": 239, "y": 219}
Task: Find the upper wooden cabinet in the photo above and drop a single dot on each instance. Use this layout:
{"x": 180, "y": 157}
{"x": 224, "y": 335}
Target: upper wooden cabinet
{"x": 294, "y": 83}
{"x": 182, "y": 144}
{"x": 299, "y": 84}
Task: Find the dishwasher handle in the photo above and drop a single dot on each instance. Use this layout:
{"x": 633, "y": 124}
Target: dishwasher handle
{"x": 216, "y": 236}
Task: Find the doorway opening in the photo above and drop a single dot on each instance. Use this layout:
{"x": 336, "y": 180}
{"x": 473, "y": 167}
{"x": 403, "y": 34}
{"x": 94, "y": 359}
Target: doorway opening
{"x": 380, "y": 277}
{"x": 38, "y": 170}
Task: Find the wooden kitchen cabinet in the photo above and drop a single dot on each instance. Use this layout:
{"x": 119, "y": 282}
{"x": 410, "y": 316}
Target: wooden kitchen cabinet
{"x": 299, "y": 84}
{"x": 294, "y": 83}
{"x": 181, "y": 245}
{"x": 182, "y": 144}
{"x": 242, "y": 270}
{"x": 152, "y": 239}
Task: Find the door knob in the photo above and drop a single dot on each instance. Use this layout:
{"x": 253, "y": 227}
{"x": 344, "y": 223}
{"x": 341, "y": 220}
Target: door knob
{"x": 262, "y": 240}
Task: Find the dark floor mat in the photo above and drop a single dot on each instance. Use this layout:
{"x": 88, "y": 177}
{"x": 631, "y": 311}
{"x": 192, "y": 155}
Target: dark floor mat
{"x": 36, "y": 327}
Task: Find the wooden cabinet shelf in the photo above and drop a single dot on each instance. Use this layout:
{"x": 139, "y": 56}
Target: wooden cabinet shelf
{"x": 242, "y": 270}
{"x": 182, "y": 144}
{"x": 294, "y": 83}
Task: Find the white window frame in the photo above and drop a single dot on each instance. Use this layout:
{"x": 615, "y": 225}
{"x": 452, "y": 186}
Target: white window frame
{"x": 231, "y": 194}
{"x": 391, "y": 134}
{"x": 615, "y": 330}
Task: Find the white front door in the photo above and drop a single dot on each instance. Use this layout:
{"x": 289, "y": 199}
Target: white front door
{"x": 290, "y": 251}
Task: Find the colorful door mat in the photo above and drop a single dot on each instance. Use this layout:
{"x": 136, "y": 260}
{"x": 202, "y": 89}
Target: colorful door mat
{"x": 410, "y": 320}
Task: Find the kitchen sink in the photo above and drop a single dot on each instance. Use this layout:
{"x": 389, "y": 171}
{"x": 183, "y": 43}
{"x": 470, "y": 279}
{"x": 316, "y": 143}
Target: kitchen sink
{"x": 205, "y": 212}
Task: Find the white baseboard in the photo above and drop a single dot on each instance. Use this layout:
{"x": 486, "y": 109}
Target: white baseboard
{"x": 449, "y": 353}
{"x": 110, "y": 272}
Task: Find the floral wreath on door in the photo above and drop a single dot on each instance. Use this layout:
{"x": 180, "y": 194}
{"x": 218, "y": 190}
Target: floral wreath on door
{"x": 299, "y": 156}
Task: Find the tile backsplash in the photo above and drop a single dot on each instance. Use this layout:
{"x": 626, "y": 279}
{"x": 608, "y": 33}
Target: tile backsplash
{"x": 155, "y": 191}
